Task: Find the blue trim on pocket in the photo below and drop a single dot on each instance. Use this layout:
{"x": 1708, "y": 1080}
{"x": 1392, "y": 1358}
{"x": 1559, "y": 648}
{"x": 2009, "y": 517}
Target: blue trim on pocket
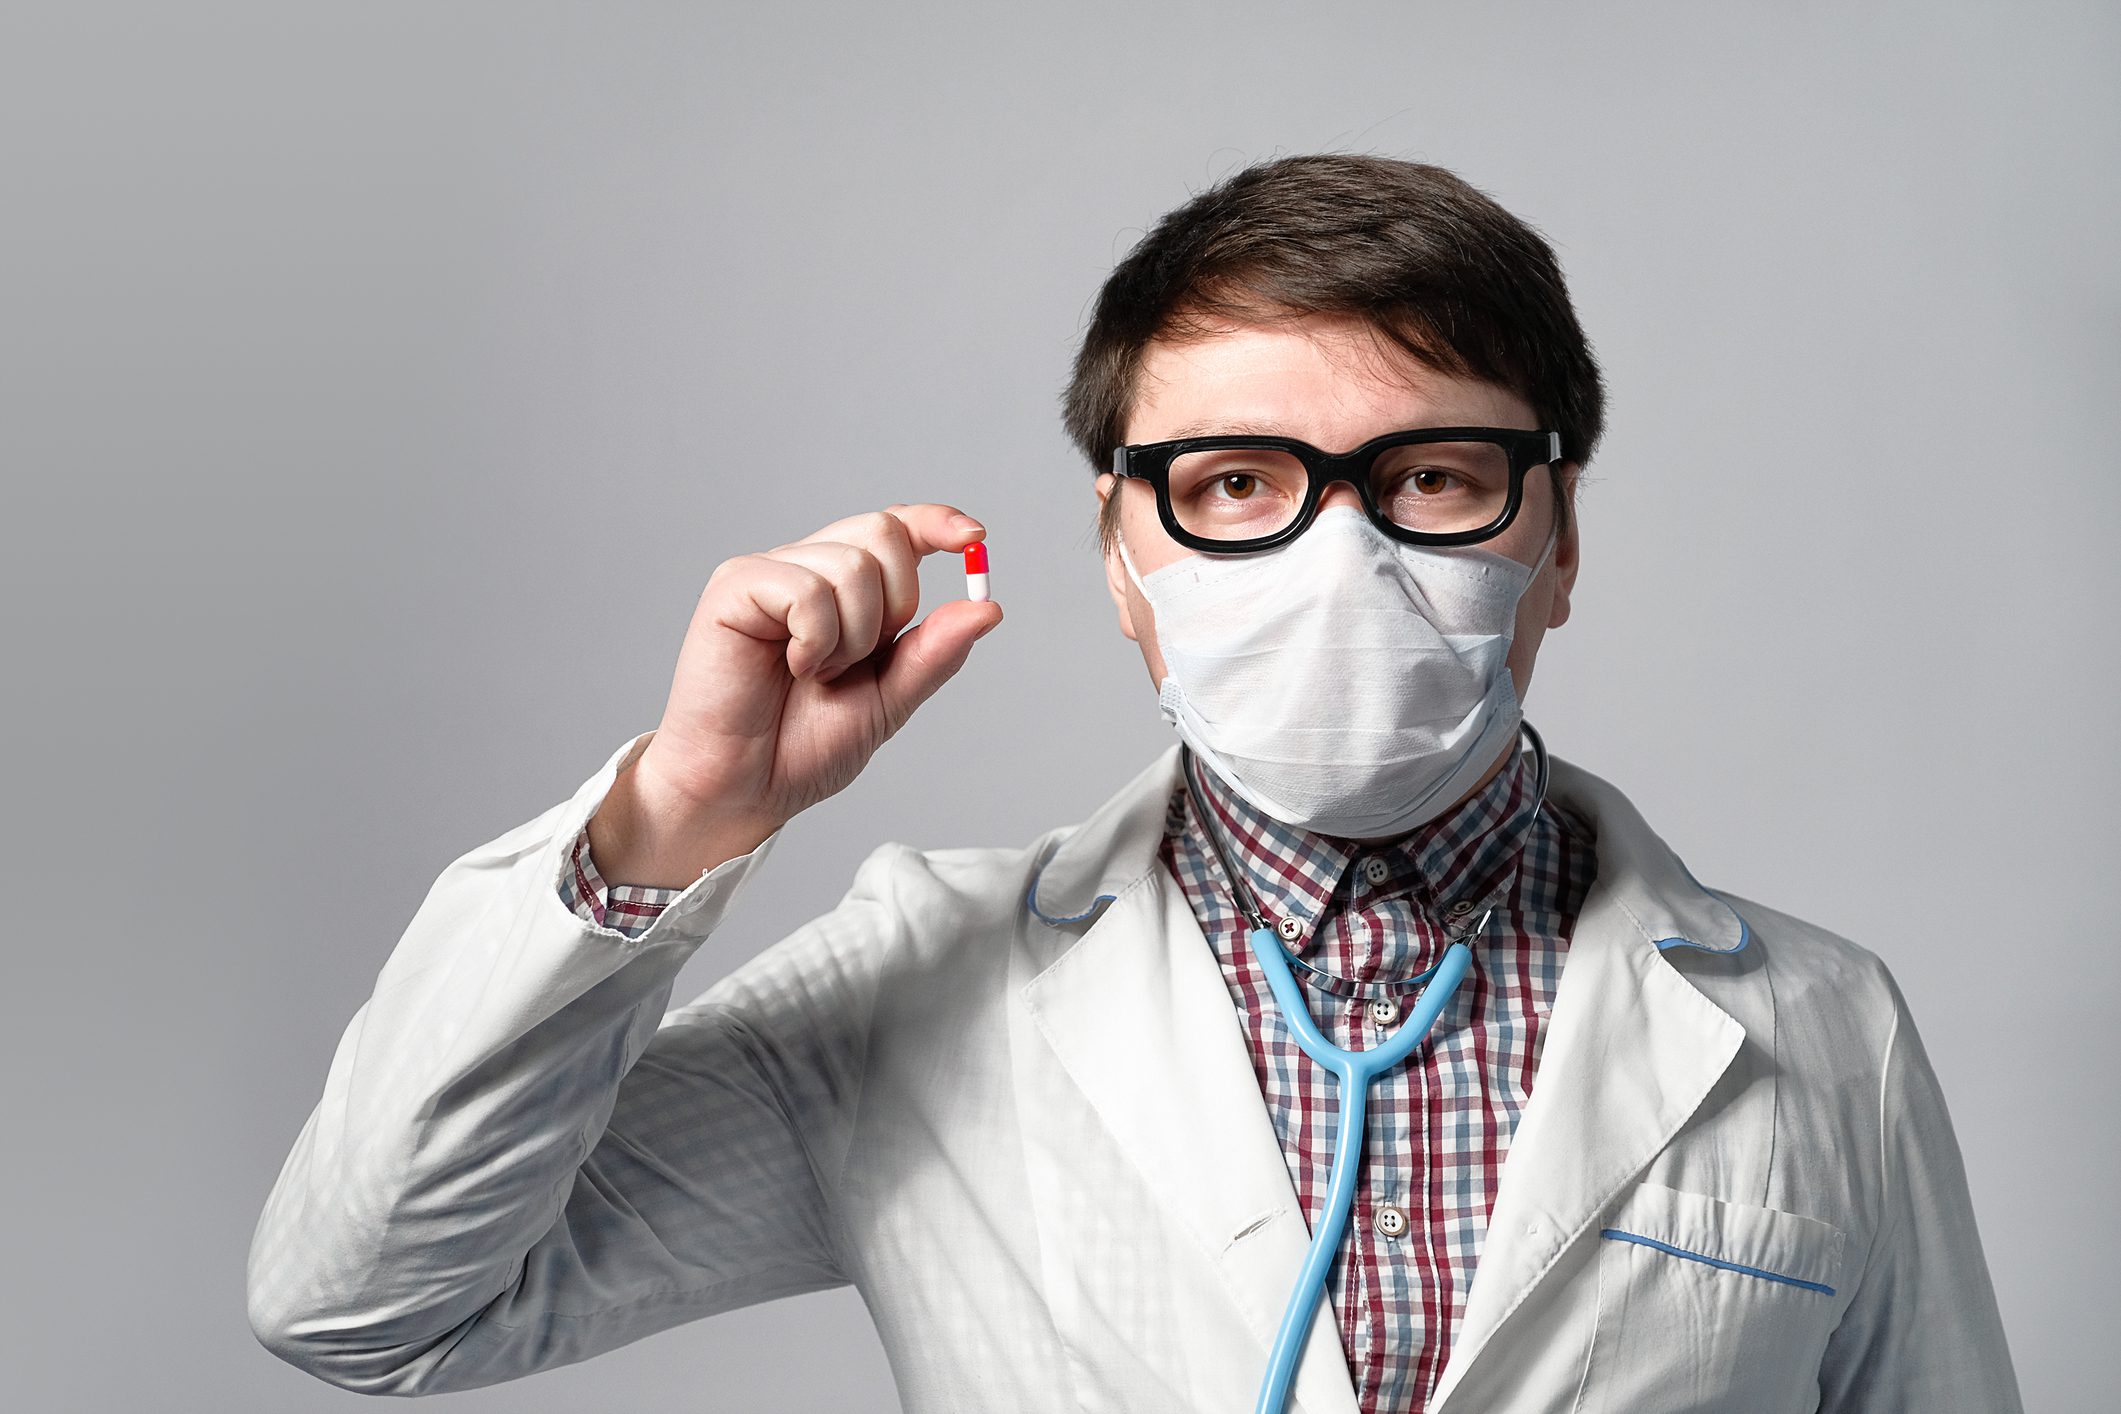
{"x": 1615, "y": 1232}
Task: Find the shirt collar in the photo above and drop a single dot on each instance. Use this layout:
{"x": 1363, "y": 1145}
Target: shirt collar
{"x": 1459, "y": 858}
{"x": 1073, "y": 872}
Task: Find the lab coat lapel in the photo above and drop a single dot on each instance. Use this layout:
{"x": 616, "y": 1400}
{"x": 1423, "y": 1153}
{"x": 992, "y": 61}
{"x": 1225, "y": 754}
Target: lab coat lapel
{"x": 1137, "y": 1013}
{"x": 1632, "y": 1049}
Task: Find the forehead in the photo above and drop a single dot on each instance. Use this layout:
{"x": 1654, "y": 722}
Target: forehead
{"x": 1333, "y": 381}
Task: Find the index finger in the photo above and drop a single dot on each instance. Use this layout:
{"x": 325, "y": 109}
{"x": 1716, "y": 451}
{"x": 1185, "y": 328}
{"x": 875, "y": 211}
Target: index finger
{"x": 899, "y": 536}
{"x": 933, "y": 526}
{"x": 927, "y": 527}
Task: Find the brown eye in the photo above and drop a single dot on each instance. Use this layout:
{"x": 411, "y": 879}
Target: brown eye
{"x": 1429, "y": 480}
{"x": 1251, "y": 483}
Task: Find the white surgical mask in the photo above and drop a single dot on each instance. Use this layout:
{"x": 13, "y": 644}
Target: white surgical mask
{"x": 1344, "y": 683}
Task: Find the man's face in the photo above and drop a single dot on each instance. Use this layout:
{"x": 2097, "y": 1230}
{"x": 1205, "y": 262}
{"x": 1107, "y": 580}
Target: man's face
{"x": 1326, "y": 381}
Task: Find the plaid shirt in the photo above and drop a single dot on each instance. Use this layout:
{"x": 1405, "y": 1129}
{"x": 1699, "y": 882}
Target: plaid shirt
{"x": 1439, "y": 1126}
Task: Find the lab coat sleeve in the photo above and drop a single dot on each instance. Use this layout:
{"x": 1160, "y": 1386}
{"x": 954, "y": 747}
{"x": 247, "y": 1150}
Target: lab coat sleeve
{"x": 1922, "y": 1331}
{"x": 519, "y": 1160}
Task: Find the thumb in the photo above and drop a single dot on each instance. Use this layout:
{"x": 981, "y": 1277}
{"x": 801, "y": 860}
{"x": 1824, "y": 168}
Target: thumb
{"x": 930, "y": 653}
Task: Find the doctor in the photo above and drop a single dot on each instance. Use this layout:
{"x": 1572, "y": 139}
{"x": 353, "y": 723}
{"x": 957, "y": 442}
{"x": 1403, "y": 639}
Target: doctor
{"x": 1664, "y": 1148}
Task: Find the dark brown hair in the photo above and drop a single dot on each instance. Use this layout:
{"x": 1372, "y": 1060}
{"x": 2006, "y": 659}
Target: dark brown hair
{"x": 1426, "y": 259}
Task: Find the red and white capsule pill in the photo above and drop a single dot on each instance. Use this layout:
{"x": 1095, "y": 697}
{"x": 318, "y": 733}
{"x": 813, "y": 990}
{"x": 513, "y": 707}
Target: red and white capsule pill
{"x": 976, "y": 572}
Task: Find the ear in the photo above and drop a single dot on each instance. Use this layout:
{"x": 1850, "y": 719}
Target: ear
{"x": 1116, "y": 582}
{"x": 1566, "y": 550}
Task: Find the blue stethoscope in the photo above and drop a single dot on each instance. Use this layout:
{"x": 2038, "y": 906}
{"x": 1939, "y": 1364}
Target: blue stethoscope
{"x": 1352, "y": 1072}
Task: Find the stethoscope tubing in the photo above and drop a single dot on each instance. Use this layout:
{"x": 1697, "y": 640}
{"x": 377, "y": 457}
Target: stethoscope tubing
{"x": 1352, "y": 1072}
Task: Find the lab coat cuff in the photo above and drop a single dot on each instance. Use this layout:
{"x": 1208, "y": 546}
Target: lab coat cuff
{"x": 692, "y": 914}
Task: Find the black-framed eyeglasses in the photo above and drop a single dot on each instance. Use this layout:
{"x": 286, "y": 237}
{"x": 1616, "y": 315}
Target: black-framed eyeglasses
{"x": 1425, "y": 486}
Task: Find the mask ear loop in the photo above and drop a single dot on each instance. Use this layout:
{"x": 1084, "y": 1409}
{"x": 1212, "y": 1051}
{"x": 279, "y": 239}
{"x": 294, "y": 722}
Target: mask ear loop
{"x": 1553, "y": 539}
{"x": 1119, "y": 537}
{"x": 1538, "y": 563}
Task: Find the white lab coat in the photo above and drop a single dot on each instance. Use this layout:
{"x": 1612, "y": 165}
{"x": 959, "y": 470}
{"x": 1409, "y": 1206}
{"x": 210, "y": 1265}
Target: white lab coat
{"x": 1039, "y": 1151}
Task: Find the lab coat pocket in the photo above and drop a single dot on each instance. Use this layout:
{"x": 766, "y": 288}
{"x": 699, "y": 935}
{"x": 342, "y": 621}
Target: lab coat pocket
{"x": 1705, "y": 1304}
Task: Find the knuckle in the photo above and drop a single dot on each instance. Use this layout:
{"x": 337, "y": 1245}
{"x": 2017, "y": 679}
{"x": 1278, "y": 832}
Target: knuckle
{"x": 867, "y": 563}
{"x": 810, "y": 584}
{"x": 735, "y": 567}
{"x": 891, "y": 529}
{"x": 845, "y": 565}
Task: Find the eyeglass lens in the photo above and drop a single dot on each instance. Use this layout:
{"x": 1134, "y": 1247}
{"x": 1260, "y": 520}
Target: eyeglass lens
{"x": 1242, "y": 493}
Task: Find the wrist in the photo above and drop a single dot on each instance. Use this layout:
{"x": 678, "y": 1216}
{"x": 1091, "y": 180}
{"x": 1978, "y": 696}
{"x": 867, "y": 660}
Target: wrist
{"x": 650, "y": 834}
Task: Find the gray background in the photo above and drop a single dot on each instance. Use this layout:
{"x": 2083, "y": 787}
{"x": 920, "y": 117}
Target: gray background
{"x": 381, "y": 383}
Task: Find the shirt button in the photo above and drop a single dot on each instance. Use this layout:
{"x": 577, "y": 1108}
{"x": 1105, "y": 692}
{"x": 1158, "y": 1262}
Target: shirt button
{"x": 1291, "y": 929}
{"x": 1391, "y": 1222}
{"x": 1376, "y": 870}
{"x": 1461, "y": 908}
{"x": 1385, "y": 1010}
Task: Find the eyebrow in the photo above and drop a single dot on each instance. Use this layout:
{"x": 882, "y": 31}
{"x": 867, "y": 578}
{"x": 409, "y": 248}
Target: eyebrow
{"x": 1263, "y": 429}
{"x": 1229, "y": 429}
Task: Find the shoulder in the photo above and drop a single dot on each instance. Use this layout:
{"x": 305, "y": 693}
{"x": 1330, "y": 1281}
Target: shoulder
{"x": 931, "y": 911}
{"x": 1044, "y": 890}
{"x": 1831, "y": 994}
{"x": 1803, "y": 951}
{"x": 966, "y": 883}
{"x": 911, "y": 920}
{"x": 967, "y": 912}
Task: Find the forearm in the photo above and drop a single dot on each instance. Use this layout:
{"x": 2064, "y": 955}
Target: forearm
{"x": 459, "y": 1105}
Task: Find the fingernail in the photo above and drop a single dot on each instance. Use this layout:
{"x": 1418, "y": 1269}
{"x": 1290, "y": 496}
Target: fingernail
{"x": 965, "y": 523}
